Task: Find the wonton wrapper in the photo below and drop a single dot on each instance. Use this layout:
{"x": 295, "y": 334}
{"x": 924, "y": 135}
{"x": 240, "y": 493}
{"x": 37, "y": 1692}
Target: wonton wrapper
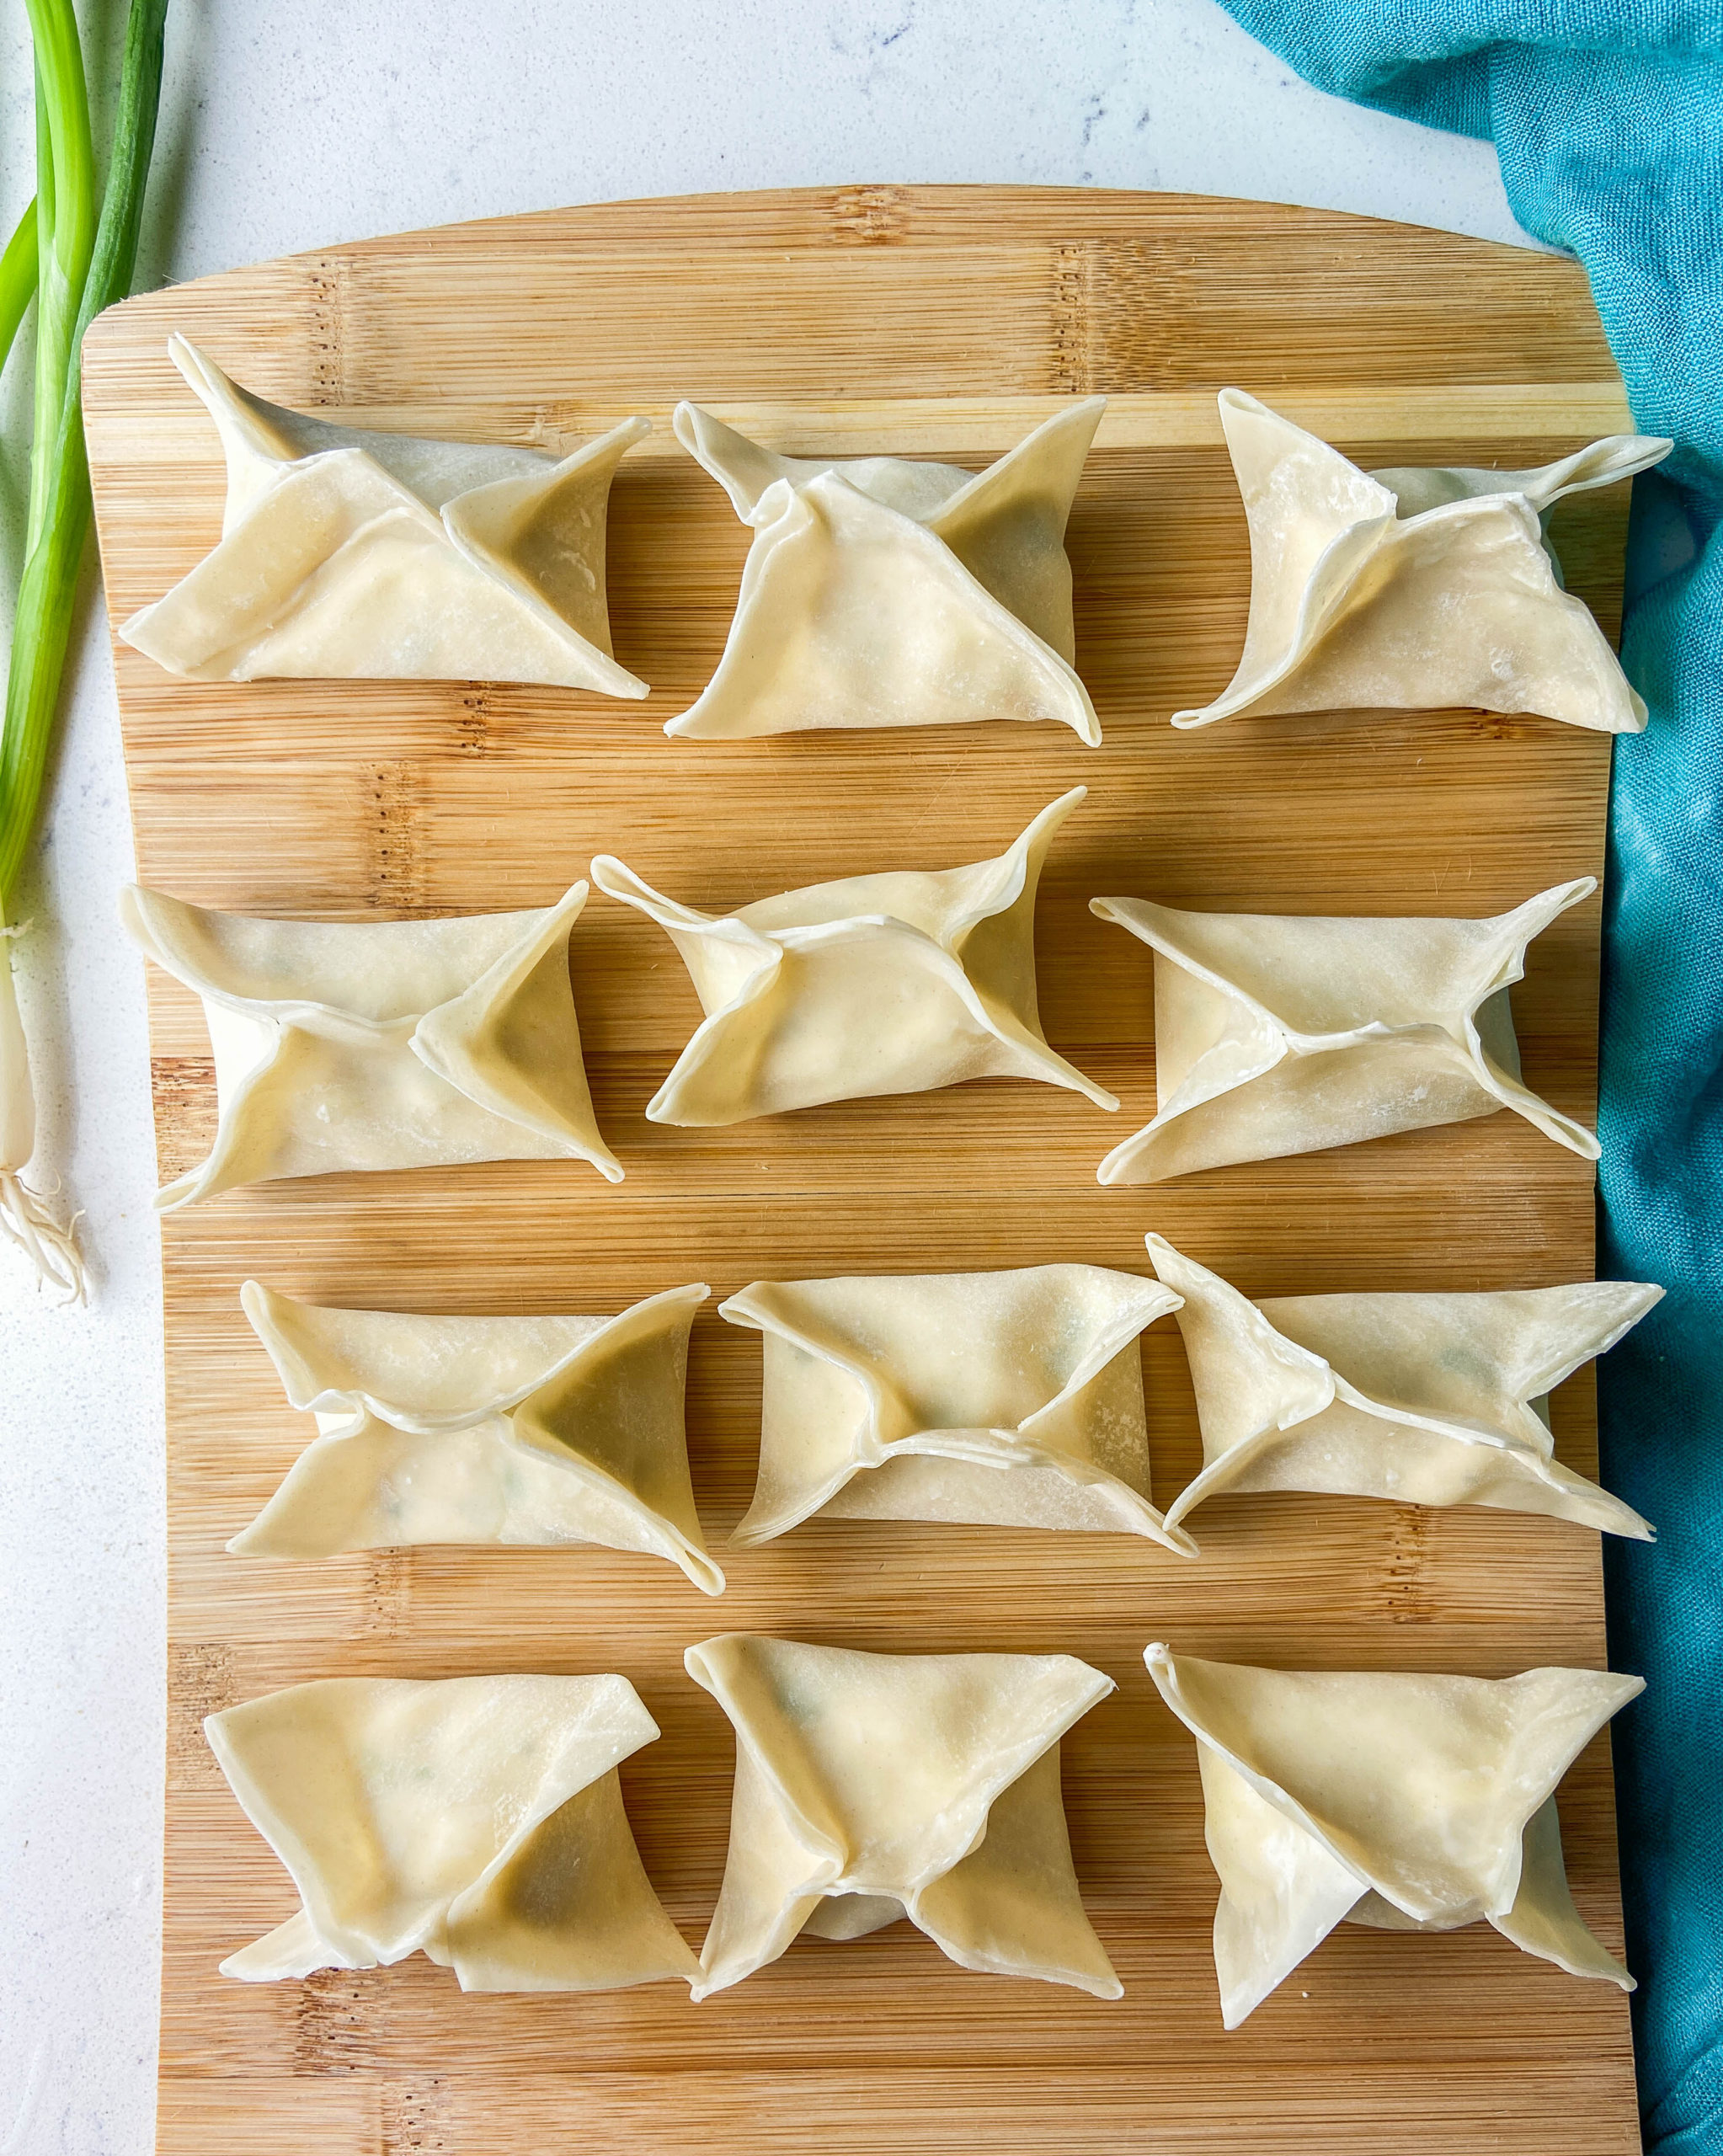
{"x": 478, "y": 1818}
{"x": 1278, "y": 1034}
{"x": 889, "y": 984}
{"x": 1001, "y": 1398}
{"x": 874, "y": 1786}
{"x": 887, "y": 592}
{"x": 1406, "y": 1802}
{"x": 1424, "y": 1400}
{"x": 1414, "y": 589}
{"x": 517, "y": 1430}
{"x": 380, "y": 1045}
{"x": 350, "y": 554}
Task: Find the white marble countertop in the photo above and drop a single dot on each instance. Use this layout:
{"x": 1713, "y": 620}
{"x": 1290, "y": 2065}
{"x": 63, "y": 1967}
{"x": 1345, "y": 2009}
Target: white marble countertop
{"x": 295, "y": 127}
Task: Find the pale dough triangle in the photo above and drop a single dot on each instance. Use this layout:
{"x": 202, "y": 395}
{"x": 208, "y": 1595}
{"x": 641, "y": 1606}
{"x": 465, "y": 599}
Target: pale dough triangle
{"x": 886, "y": 983}
{"x": 880, "y": 591}
{"x": 871, "y": 1786}
{"x": 1415, "y": 589}
{"x": 1407, "y": 1801}
{"x": 352, "y": 554}
{"x": 1420, "y": 1399}
{"x": 1279, "y": 1033}
{"x": 517, "y": 1430}
{"x": 380, "y": 1045}
{"x": 477, "y": 1819}
{"x": 1004, "y": 1399}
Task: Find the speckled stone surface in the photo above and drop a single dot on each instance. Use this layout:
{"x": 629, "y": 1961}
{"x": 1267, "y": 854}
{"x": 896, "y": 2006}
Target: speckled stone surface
{"x": 287, "y": 128}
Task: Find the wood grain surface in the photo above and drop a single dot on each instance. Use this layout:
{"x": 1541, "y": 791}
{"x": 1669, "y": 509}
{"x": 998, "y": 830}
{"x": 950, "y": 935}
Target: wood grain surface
{"x": 930, "y": 322}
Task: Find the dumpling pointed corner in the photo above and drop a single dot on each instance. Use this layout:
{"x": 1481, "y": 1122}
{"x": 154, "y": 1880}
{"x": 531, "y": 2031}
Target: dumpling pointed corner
{"x": 465, "y": 1042}
{"x": 1516, "y": 929}
{"x": 254, "y": 445}
{"x": 508, "y": 528}
{"x": 1016, "y": 874}
{"x": 1052, "y": 453}
{"x": 271, "y": 1316}
{"x": 744, "y": 468}
{"x": 665, "y": 1317}
{"x": 1527, "y": 921}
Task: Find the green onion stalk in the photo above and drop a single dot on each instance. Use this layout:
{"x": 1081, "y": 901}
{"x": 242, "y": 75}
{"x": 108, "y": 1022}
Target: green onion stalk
{"x": 74, "y": 265}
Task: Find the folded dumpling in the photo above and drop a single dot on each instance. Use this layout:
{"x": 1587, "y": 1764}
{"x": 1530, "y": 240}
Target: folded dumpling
{"x": 874, "y": 1786}
{"x": 380, "y": 1045}
{"x": 1415, "y": 589}
{"x": 888, "y": 983}
{"x": 1003, "y": 1399}
{"x": 1406, "y": 1802}
{"x": 349, "y": 553}
{"x": 483, "y": 1429}
{"x": 1278, "y": 1034}
{"x": 477, "y": 1818}
{"x": 1426, "y": 1400}
{"x": 881, "y": 591}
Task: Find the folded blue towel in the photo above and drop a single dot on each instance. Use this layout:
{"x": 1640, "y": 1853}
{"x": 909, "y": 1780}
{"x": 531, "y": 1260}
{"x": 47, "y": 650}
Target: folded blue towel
{"x": 1607, "y": 117}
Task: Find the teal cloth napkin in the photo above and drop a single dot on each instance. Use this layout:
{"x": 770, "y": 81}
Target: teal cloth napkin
{"x": 1607, "y": 117}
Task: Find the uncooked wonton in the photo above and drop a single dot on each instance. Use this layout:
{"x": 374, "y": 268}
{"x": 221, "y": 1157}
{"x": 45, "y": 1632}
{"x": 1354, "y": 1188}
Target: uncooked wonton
{"x": 1403, "y": 1802}
{"x": 874, "y": 1786}
{"x": 355, "y": 554}
{"x": 1415, "y": 589}
{"x": 547, "y": 1430}
{"x": 1005, "y": 1399}
{"x": 884, "y": 591}
{"x": 888, "y": 983}
{"x": 1423, "y": 1399}
{"x": 477, "y": 1818}
{"x": 1278, "y": 1034}
{"x": 380, "y": 1045}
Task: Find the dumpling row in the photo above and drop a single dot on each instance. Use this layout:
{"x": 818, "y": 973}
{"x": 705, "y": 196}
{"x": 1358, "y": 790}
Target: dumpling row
{"x": 878, "y": 590}
{"x": 1017, "y": 1398}
{"x": 1010, "y": 1399}
{"x": 481, "y": 1820}
{"x": 400, "y": 1044}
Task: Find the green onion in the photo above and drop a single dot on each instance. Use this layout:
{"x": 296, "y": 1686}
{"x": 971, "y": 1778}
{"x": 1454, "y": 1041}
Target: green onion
{"x": 18, "y": 277}
{"x": 80, "y": 267}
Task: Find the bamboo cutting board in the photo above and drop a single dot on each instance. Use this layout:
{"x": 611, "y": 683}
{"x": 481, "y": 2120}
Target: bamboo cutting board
{"x": 939, "y": 321}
